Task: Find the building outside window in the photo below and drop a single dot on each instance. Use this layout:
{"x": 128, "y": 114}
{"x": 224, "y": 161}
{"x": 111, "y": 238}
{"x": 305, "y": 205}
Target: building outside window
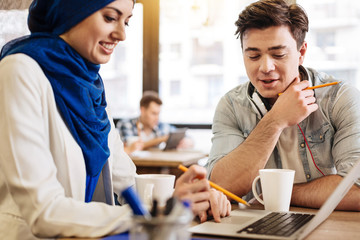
{"x": 333, "y": 38}
{"x": 207, "y": 61}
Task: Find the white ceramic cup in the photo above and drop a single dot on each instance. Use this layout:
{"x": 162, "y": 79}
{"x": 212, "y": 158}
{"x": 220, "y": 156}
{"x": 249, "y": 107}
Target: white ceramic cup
{"x": 154, "y": 186}
{"x": 276, "y": 185}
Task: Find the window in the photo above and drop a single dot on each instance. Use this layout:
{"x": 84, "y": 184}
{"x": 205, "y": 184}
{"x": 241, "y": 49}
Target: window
{"x": 122, "y": 75}
{"x": 206, "y": 62}
{"x": 13, "y": 25}
{"x": 334, "y": 27}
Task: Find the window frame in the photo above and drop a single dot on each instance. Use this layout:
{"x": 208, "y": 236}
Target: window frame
{"x": 151, "y": 44}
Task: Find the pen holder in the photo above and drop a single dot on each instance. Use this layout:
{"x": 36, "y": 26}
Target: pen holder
{"x": 161, "y": 227}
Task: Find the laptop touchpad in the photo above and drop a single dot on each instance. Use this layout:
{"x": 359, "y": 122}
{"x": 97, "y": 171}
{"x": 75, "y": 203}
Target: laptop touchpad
{"x": 236, "y": 219}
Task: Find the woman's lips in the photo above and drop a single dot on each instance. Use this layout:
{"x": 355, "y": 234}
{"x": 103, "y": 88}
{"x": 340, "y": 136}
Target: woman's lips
{"x": 108, "y": 47}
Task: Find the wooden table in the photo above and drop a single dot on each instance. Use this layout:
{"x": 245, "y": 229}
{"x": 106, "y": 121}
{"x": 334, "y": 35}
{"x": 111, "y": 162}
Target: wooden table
{"x": 339, "y": 225}
{"x": 157, "y": 161}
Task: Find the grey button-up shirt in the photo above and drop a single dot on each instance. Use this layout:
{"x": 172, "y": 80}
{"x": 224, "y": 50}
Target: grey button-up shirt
{"x": 332, "y": 132}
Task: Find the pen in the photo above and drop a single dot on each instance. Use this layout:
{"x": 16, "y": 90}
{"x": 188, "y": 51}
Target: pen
{"x": 217, "y": 187}
{"x": 319, "y": 86}
{"x": 135, "y": 203}
{"x": 154, "y": 208}
{"x": 170, "y": 203}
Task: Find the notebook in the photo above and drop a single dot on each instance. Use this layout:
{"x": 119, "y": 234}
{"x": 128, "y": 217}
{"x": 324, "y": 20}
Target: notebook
{"x": 175, "y": 138}
{"x": 243, "y": 223}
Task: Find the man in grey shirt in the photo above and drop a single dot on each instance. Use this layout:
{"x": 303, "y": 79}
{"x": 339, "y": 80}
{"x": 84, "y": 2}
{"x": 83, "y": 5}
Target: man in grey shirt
{"x": 314, "y": 132}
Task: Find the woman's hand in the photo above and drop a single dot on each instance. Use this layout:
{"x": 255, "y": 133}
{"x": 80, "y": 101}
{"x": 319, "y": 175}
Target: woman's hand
{"x": 193, "y": 186}
{"x": 219, "y": 205}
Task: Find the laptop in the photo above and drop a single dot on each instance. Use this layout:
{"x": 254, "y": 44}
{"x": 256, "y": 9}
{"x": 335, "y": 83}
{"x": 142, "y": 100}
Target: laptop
{"x": 174, "y": 138}
{"x": 250, "y": 223}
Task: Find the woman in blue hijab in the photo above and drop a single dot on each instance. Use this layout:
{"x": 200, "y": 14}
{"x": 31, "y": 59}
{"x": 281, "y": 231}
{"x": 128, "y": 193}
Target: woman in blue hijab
{"x": 61, "y": 158}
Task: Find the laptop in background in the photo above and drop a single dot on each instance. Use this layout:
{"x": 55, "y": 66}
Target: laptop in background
{"x": 244, "y": 223}
{"x": 174, "y": 138}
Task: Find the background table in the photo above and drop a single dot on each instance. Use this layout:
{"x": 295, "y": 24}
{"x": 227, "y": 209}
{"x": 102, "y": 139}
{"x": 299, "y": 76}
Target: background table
{"x": 166, "y": 162}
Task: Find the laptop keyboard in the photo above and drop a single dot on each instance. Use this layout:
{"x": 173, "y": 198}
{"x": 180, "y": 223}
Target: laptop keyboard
{"x": 278, "y": 224}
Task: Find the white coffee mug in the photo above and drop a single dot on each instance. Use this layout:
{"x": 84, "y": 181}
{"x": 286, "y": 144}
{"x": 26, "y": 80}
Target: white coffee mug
{"x": 154, "y": 186}
{"x": 276, "y": 185}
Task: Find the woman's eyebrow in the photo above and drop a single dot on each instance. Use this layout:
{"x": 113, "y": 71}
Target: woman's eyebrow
{"x": 117, "y": 11}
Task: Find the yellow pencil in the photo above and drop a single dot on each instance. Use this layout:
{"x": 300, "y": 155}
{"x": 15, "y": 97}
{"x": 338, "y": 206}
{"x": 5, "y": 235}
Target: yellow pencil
{"x": 323, "y": 85}
{"x": 217, "y": 187}
{"x": 320, "y": 86}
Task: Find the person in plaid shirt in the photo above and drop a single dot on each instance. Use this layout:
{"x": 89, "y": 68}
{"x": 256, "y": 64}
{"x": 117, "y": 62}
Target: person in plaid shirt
{"x": 145, "y": 131}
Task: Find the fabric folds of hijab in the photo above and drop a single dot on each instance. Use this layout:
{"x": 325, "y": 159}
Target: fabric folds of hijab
{"x": 58, "y": 16}
{"x": 76, "y": 83}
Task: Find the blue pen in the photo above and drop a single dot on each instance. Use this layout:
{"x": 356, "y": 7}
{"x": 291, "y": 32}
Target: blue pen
{"x": 135, "y": 203}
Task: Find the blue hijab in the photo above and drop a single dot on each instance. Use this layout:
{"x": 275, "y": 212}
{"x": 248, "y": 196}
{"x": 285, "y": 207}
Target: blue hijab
{"x": 76, "y": 83}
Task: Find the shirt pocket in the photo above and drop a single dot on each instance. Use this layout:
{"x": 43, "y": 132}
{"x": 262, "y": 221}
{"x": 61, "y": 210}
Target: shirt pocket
{"x": 320, "y": 142}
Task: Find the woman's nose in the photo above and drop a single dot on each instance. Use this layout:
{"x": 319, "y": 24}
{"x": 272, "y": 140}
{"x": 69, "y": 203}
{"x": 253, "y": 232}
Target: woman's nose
{"x": 119, "y": 33}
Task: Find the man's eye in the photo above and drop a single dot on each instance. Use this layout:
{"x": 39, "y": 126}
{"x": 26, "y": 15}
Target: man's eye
{"x": 254, "y": 57}
{"x": 279, "y": 55}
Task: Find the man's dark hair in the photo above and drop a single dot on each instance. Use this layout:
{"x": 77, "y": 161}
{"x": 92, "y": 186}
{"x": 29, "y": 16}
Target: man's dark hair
{"x": 148, "y": 97}
{"x": 269, "y": 13}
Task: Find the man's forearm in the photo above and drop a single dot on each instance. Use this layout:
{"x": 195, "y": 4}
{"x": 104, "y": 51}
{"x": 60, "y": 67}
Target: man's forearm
{"x": 154, "y": 142}
{"x": 313, "y": 194}
{"x": 237, "y": 170}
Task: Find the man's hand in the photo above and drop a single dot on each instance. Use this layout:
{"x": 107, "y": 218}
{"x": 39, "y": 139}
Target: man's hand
{"x": 185, "y": 143}
{"x": 295, "y": 104}
{"x": 136, "y": 146}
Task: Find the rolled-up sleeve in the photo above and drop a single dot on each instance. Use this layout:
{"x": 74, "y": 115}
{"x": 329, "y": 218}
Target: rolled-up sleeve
{"x": 226, "y": 132}
{"x": 345, "y": 116}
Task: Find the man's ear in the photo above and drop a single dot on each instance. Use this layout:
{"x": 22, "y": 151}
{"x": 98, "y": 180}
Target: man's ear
{"x": 302, "y": 51}
{"x": 142, "y": 109}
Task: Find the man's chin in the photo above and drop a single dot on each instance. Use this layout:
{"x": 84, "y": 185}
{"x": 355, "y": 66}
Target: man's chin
{"x": 268, "y": 94}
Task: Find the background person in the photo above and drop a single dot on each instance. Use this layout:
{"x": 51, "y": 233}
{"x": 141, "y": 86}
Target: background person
{"x": 315, "y": 132}
{"x": 146, "y": 131}
{"x": 61, "y": 158}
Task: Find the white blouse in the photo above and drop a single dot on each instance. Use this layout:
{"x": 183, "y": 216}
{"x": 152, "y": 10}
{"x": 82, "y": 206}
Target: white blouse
{"x": 42, "y": 169}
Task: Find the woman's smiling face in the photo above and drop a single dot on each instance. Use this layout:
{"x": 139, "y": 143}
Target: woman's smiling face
{"x": 95, "y": 37}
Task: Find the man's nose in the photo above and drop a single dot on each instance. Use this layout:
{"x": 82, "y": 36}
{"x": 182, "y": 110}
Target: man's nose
{"x": 267, "y": 64}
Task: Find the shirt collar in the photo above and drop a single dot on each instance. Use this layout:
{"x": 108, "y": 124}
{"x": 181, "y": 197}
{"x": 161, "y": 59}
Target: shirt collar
{"x": 140, "y": 126}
